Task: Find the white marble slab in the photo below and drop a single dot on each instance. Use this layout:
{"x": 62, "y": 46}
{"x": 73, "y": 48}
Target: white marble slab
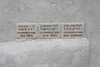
{"x": 45, "y": 53}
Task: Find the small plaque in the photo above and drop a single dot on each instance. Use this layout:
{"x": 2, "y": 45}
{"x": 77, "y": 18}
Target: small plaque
{"x": 26, "y": 31}
{"x": 73, "y": 30}
{"x": 49, "y": 30}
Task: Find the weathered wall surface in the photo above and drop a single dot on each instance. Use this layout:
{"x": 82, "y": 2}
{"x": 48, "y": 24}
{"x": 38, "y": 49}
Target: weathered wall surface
{"x": 38, "y": 11}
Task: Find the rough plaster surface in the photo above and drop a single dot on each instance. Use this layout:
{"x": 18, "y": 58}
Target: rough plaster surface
{"x": 45, "y": 53}
{"x": 38, "y": 11}
{"x": 95, "y": 49}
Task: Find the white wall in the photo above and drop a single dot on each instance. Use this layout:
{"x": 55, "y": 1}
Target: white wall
{"x": 36, "y": 11}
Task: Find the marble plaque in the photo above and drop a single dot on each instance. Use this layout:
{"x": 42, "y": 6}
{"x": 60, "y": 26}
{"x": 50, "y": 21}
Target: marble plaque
{"x": 26, "y": 31}
{"x": 72, "y": 30}
{"x": 49, "y": 30}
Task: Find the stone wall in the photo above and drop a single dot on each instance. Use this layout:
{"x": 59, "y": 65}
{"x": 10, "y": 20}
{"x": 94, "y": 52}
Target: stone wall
{"x": 40, "y": 11}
